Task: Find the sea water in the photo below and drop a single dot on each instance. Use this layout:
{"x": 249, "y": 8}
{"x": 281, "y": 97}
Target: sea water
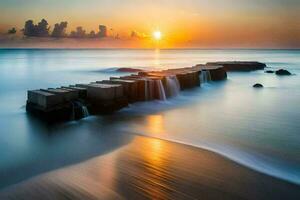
{"x": 258, "y": 128}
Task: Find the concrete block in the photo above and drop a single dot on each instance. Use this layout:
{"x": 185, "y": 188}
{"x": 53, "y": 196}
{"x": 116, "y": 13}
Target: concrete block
{"x": 104, "y": 91}
{"x": 240, "y": 65}
{"x": 130, "y": 87}
{"x": 82, "y": 92}
{"x": 73, "y": 94}
{"x": 43, "y": 99}
{"x": 82, "y": 85}
{"x": 141, "y": 86}
{"x": 181, "y": 77}
{"x": 66, "y": 95}
{"x": 218, "y": 74}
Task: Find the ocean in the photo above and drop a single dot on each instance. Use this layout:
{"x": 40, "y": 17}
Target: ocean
{"x": 258, "y": 128}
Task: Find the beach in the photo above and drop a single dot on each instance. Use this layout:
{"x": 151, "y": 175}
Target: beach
{"x": 149, "y": 168}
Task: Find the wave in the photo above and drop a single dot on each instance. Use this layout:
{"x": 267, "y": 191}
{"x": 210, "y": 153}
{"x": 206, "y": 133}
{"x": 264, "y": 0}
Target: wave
{"x": 245, "y": 159}
{"x": 249, "y": 158}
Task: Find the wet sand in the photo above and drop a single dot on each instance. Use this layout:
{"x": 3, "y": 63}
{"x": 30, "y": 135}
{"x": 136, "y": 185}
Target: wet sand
{"x": 150, "y": 168}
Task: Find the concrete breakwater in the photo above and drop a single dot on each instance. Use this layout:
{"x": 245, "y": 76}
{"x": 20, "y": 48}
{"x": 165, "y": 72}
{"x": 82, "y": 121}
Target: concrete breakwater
{"x": 76, "y": 101}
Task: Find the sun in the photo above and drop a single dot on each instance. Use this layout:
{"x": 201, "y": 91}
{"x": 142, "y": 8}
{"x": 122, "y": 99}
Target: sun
{"x": 157, "y": 35}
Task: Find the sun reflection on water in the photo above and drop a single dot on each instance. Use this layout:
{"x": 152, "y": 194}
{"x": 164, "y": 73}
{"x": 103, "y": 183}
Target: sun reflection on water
{"x": 155, "y": 124}
{"x": 157, "y": 62}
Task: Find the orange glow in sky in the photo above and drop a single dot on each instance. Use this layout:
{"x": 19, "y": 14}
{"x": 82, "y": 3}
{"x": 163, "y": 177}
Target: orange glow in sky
{"x": 182, "y": 23}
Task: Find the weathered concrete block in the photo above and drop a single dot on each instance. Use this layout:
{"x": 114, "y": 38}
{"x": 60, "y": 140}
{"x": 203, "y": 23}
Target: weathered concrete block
{"x": 141, "y": 86}
{"x": 82, "y": 85}
{"x": 192, "y": 78}
{"x": 104, "y": 92}
{"x": 155, "y": 85}
{"x": 240, "y": 65}
{"x": 43, "y": 99}
{"x": 130, "y": 88}
{"x": 183, "y": 80}
{"x": 153, "y": 79}
{"x": 218, "y": 74}
{"x": 105, "y": 98}
{"x": 197, "y": 81}
{"x": 106, "y": 107}
{"x": 66, "y": 95}
{"x": 82, "y": 92}
{"x": 73, "y": 94}
{"x": 188, "y": 77}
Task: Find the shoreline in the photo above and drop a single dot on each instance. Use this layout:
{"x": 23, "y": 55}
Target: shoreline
{"x": 155, "y": 168}
{"x": 225, "y": 156}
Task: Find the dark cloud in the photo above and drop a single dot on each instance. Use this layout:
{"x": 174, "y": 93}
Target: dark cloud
{"x": 92, "y": 34}
{"x": 59, "y": 30}
{"x": 12, "y": 31}
{"x": 39, "y": 30}
{"x": 29, "y": 29}
{"x": 79, "y": 33}
{"x": 102, "y": 31}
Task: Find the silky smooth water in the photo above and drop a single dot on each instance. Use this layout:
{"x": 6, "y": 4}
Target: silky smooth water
{"x": 258, "y": 128}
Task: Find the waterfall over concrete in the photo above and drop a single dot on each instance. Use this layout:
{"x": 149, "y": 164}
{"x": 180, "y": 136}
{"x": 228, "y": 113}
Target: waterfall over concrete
{"x": 79, "y": 110}
{"x": 85, "y": 111}
{"x": 173, "y": 86}
{"x": 205, "y": 76}
{"x": 161, "y": 90}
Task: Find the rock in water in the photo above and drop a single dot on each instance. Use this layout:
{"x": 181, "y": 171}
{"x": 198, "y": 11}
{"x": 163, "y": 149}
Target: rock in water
{"x": 269, "y": 71}
{"x": 283, "y": 72}
{"x": 258, "y": 85}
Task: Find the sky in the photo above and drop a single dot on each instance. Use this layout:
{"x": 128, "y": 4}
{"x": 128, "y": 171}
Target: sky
{"x": 183, "y": 23}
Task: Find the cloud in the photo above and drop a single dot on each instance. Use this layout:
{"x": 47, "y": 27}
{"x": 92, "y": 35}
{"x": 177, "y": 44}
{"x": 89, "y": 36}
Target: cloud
{"x": 139, "y": 35}
{"x": 59, "y": 30}
{"x": 39, "y": 30}
{"x": 79, "y": 33}
{"x": 102, "y": 31}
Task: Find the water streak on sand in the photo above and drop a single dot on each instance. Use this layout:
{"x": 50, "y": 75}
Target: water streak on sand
{"x": 150, "y": 168}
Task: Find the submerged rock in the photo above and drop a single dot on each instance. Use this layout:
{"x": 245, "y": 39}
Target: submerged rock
{"x": 283, "y": 72}
{"x": 269, "y": 71}
{"x": 258, "y": 85}
{"x": 126, "y": 69}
